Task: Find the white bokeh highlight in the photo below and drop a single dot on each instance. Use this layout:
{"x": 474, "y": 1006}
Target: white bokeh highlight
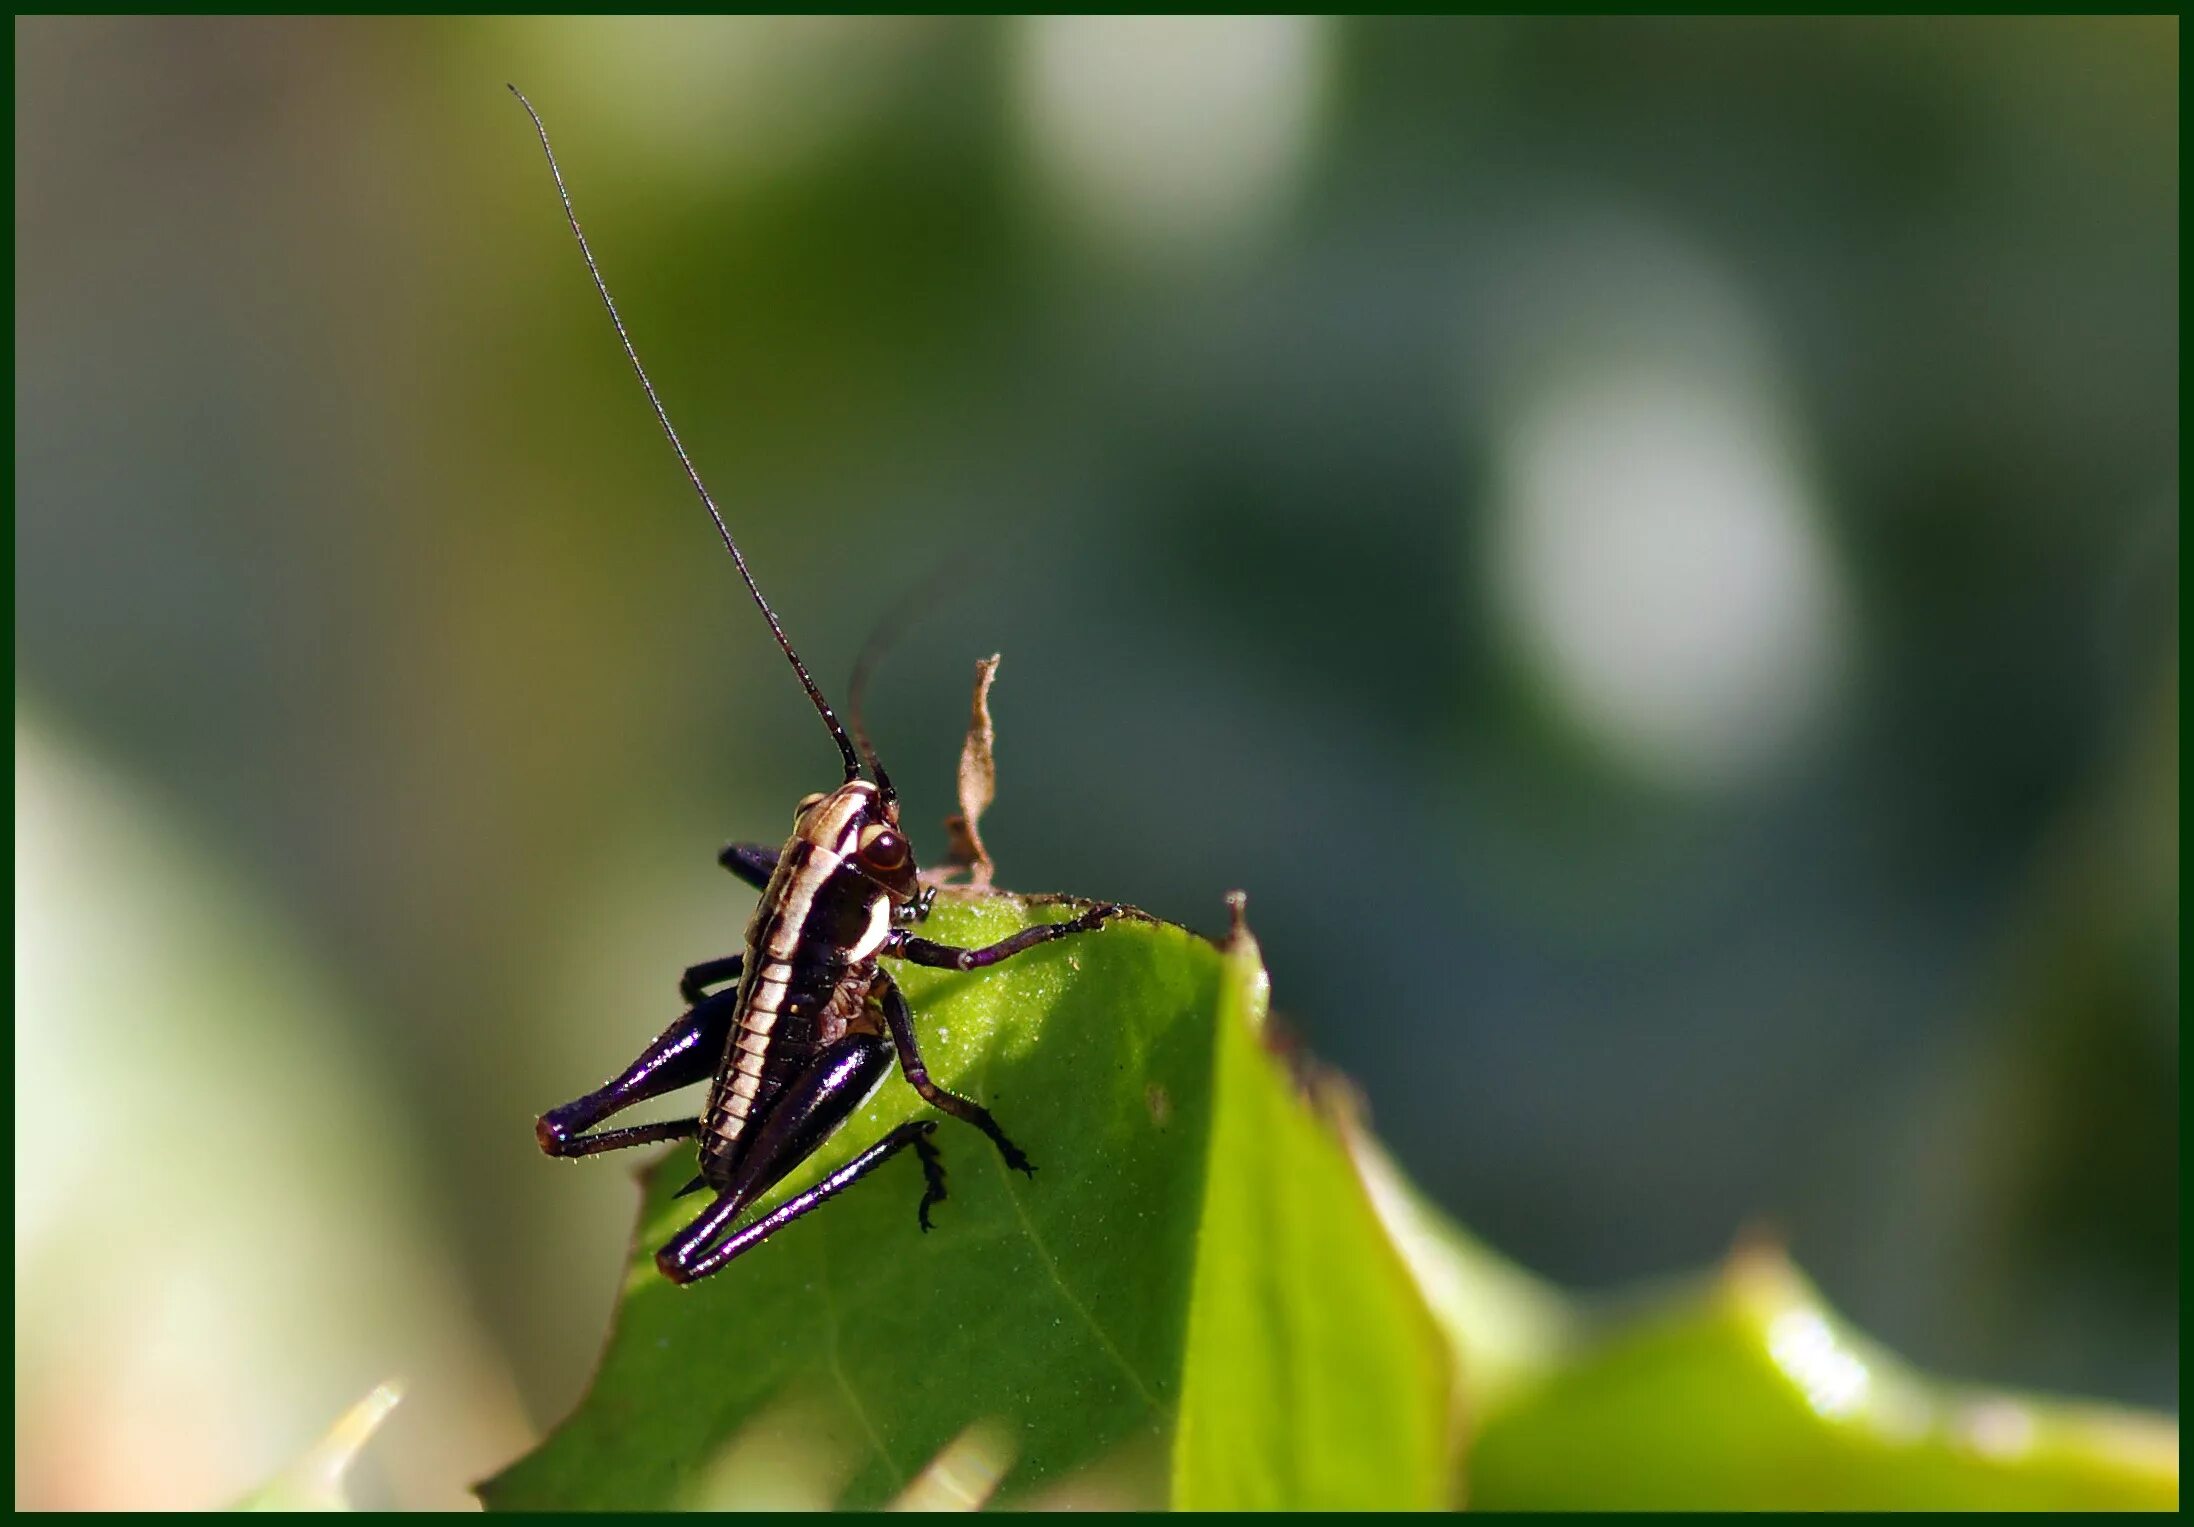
{"x": 1833, "y": 1378}
{"x": 1654, "y": 551}
{"x": 1659, "y": 556}
{"x": 1169, "y": 134}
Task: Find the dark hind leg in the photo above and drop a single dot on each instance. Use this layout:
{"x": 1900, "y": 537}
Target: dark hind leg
{"x": 682, "y": 1261}
{"x": 685, "y": 1052}
{"x": 806, "y": 1114}
{"x": 967, "y": 1110}
{"x": 933, "y": 1178}
{"x": 752, "y": 862}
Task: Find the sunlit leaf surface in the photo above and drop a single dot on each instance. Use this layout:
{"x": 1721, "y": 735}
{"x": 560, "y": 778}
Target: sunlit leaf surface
{"x": 1317, "y": 1377}
{"x": 1747, "y": 1392}
{"x": 1193, "y": 1276}
{"x": 1217, "y": 1293}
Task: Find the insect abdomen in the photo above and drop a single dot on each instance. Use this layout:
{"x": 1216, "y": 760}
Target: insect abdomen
{"x": 773, "y": 1038}
{"x": 810, "y": 958}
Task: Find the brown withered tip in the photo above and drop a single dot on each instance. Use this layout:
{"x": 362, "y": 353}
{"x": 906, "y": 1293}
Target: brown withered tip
{"x": 1758, "y": 1242}
{"x": 965, "y": 854}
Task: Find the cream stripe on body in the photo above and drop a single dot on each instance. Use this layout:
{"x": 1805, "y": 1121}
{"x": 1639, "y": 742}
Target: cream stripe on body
{"x": 822, "y": 839}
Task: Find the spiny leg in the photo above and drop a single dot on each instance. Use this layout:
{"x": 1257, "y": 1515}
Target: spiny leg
{"x": 685, "y": 1052}
{"x": 967, "y": 1110}
{"x": 752, "y": 862}
{"x": 933, "y": 1179}
{"x": 806, "y": 1114}
{"x": 694, "y": 984}
{"x": 683, "y": 1260}
{"x": 614, "y": 1139}
{"x": 922, "y": 951}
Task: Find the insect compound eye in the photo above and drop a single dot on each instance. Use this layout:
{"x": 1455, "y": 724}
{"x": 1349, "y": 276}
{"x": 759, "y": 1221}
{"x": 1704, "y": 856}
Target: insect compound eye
{"x": 882, "y": 850}
{"x": 807, "y": 804}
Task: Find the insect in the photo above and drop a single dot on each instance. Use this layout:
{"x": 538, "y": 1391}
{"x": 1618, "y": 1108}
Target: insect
{"x": 796, "y": 1031}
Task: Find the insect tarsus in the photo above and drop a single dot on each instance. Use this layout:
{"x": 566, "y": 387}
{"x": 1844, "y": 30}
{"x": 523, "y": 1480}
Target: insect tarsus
{"x": 796, "y": 1030}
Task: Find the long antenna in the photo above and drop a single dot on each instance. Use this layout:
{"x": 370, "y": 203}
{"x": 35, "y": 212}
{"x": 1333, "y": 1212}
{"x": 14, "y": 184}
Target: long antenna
{"x": 845, "y": 743}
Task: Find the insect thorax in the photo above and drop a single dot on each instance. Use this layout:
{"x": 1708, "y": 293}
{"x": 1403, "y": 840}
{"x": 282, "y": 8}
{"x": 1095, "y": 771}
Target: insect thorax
{"x": 811, "y": 951}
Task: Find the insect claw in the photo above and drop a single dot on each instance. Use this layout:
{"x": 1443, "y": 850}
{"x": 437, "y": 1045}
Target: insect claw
{"x": 811, "y": 1089}
{"x": 933, "y": 1173}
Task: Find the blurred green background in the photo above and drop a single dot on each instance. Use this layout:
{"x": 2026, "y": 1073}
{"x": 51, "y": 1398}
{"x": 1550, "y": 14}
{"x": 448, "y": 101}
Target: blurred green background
{"x": 1649, "y": 549}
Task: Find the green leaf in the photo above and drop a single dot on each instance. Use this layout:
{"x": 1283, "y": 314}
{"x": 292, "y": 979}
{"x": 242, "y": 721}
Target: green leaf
{"x": 1506, "y": 1327}
{"x": 315, "y": 1481}
{"x": 1219, "y": 1293}
{"x": 1192, "y": 1300}
{"x": 1750, "y": 1394}
{"x": 1316, "y": 1376}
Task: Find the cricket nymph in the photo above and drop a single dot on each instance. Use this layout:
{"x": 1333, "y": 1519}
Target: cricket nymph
{"x": 810, "y": 1023}
{"x": 843, "y": 881}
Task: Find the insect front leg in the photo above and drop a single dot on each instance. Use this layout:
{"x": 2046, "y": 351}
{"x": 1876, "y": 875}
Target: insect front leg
{"x": 921, "y": 951}
{"x": 684, "y": 1053}
{"x": 967, "y": 1110}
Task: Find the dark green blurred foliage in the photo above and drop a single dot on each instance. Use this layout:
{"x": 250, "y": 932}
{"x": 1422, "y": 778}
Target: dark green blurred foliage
{"x": 343, "y": 533}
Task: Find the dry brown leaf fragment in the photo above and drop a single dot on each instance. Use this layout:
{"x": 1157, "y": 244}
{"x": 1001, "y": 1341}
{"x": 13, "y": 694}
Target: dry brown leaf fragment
{"x": 964, "y": 851}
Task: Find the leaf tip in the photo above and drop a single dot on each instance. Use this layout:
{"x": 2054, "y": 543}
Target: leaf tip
{"x": 1248, "y": 961}
{"x": 315, "y": 1481}
{"x": 1237, "y": 919}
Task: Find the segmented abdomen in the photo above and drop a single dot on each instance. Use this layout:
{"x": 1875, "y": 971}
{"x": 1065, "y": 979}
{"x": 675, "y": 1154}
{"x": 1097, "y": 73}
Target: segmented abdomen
{"x": 810, "y": 957}
{"x": 774, "y": 1037}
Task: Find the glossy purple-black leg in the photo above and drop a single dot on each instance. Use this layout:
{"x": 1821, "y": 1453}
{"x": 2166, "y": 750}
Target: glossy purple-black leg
{"x": 933, "y": 1178}
{"x": 685, "y": 1052}
{"x": 967, "y": 1110}
{"x": 752, "y": 862}
{"x": 921, "y": 951}
{"x": 694, "y": 984}
{"x": 805, "y": 1114}
{"x": 683, "y": 1260}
